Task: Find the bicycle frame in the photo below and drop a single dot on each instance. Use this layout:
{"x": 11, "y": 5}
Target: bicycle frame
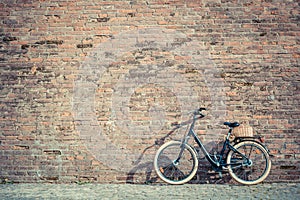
{"x": 215, "y": 162}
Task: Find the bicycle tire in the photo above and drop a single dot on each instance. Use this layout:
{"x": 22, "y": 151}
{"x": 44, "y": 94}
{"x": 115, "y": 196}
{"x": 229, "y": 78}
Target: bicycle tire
{"x": 255, "y": 172}
{"x": 180, "y": 173}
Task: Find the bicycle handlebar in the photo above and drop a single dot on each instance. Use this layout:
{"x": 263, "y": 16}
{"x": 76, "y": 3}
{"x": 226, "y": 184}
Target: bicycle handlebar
{"x": 195, "y": 113}
{"x": 198, "y": 112}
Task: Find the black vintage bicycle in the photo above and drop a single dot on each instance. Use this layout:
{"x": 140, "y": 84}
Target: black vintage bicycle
{"x": 246, "y": 159}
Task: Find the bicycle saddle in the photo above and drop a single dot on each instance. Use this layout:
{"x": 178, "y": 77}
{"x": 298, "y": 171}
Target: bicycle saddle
{"x": 232, "y": 125}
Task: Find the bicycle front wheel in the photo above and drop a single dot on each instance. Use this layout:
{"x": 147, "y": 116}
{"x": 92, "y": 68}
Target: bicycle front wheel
{"x": 251, "y": 169}
{"x": 172, "y": 169}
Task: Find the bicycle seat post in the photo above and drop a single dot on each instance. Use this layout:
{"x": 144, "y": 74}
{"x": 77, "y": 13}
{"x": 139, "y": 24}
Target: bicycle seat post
{"x": 231, "y": 126}
{"x": 229, "y": 133}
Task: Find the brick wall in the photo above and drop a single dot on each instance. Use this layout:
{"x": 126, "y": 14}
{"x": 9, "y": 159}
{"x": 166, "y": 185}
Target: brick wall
{"x": 89, "y": 88}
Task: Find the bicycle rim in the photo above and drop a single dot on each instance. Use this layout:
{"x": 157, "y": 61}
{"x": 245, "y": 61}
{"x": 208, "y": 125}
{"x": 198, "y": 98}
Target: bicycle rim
{"x": 246, "y": 172}
{"x": 170, "y": 171}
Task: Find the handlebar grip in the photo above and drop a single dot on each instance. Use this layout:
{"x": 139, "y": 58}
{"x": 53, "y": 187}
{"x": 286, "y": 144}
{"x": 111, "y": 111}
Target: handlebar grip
{"x": 200, "y": 109}
{"x": 198, "y": 112}
{"x": 175, "y": 124}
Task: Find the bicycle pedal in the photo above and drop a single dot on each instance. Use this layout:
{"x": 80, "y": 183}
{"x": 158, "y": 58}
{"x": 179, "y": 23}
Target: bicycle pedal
{"x": 220, "y": 174}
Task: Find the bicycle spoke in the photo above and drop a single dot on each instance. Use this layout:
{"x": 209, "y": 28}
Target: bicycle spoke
{"x": 250, "y": 152}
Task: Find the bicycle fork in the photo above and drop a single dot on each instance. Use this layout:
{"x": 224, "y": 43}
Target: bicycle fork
{"x": 182, "y": 147}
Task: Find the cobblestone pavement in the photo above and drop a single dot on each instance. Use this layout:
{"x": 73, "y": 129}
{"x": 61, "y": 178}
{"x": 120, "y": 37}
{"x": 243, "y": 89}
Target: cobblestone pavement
{"x": 127, "y": 191}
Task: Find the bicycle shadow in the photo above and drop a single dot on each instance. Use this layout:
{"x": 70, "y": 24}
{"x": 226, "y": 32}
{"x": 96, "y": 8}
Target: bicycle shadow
{"x": 144, "y": 173}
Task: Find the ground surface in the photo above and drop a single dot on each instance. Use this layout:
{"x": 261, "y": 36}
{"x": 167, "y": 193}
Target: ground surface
{"x": 128, "y": 191}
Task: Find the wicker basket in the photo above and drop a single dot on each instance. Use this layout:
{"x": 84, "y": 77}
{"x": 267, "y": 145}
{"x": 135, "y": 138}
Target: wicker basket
{"x": 243, "y": 131}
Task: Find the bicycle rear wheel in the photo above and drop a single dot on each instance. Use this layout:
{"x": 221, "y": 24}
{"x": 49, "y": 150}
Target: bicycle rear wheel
{"x": 252, "y": 171}
{"x": 171, "y": 171}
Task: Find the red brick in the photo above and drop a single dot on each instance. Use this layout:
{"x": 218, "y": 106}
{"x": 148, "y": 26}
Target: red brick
{"x": 257, "y": 59}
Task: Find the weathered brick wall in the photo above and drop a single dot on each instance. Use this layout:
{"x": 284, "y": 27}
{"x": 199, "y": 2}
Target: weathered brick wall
{"x": 90, "y": 88}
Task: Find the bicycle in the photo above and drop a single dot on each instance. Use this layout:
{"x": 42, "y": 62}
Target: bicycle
{"x": 247, "y": 160}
